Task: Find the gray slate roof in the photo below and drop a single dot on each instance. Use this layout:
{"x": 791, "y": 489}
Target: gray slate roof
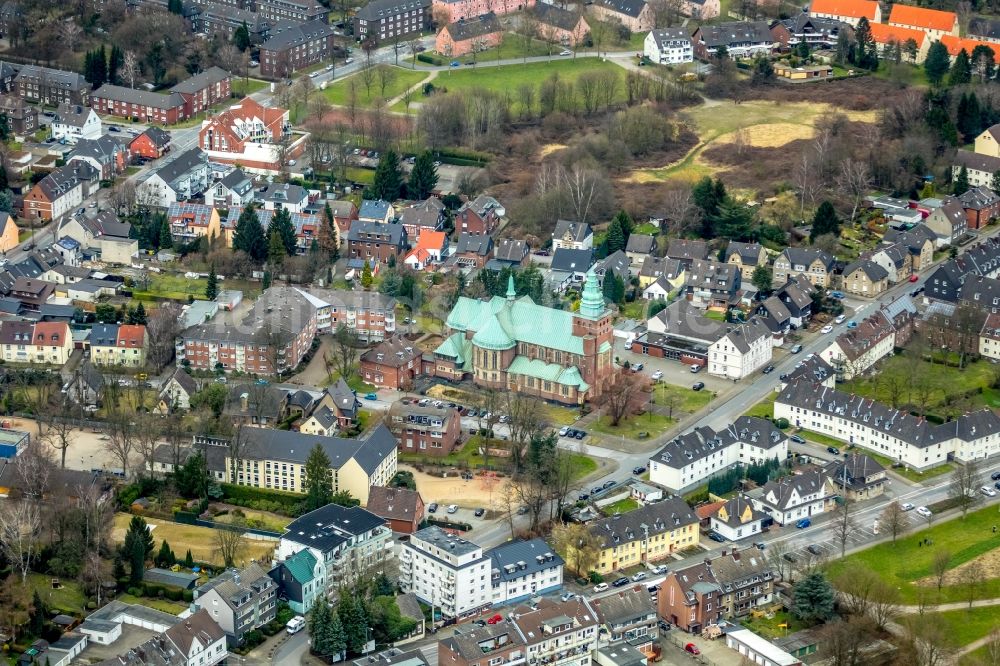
{"x": 578, "y": 231}
{"x": 330, "y": 526}
{"x": 379, "y": 9}
{"x": 556, "y": 16}
{"x": 142, "y": 97}
{"x": 874, "y": 272}
{"x": 288, "y": 34}
{"x": 703, "y": 441}
{"x": 653, "y": 519}
{"x": 369, "y": 450}
{"x": 476, "y": 26}
{"x": 572, "y": 261}
{"x": 534, "y": 554}
{"x": 640, "y": 244}
{"x": 199, "y": 82}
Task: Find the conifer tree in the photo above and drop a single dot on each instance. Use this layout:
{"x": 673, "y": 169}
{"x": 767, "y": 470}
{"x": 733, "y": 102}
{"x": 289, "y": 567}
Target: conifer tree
{"x": 212, "y": 287}
{"x": 249, "y": 235}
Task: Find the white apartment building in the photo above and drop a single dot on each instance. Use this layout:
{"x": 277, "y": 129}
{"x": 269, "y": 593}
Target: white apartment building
{"x": 911, "y": 440}
{"x": 446, "y": 571}
{"x": 989, "y": 337}
{"x": 795, "y": 497}
{"x": 690, "y": 459}
{"x": 523, "y": 569}
{"x": 670, "y": 46}
{"x": 858, "y": 349}
{"x": 742, "y": 351}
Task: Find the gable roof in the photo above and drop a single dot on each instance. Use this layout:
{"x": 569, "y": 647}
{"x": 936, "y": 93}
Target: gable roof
{"x": 393, "y": 503}
{"x": 577, "y": 231}
{"x": 928, "y": 19}
{"x": 640, "y": 244}
{"x": 368, "y": 450}
{"x": 330, "y": 526}
{"x": 805, "y": 256}
{"x": 892, "y": 34}
{"x": 142, "y": 97}
{"x": 738, "y": 511}
{"x": 481, "y": 244}
{"x": 476, "y": 26}
{"x": 649, "y": 520}
{"x": 956, "y": 44}
{"x": 631, "y": 8}
{"x": 978, "y": 198}
{"x": 569, "y": 260}
{"x": 198, "y": 82}
{"x": 301, "y": 566}
{"x": 379, "y": 9}
{"x": 874, "y": 271}
{"x": 557, "y": 17}
{"x": 749, "y": 252}
{"x": 288, "y": 34}
{"x": 534, "y": 554}
{"x": 850, "y": 8}
{"x": 181, "y": 165}
{"x": 75, "y": 115}
{"x": 686, "y": 250}
{"x": 735, "y": 32}
{"x": 511, "y": 249}
{"x": 687, "y": 448}
{"x": 785, "y": 490}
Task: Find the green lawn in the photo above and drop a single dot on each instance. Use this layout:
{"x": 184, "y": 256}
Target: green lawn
{"x": 355, "y": 382}
{"x": 653, "y": 424}
{"x": 556, "y": 415}
{"x": 621, "y": 506}
{"x": 978, "y": 657}
{"x": 359, "y": 175}
{"x": 690, "y": 401}
{"x": 513, "y": 46}
{"x": 68, "y": 598}
{"x": 911, "y": 474}
{"x": 582, "y": 465}
{"x": 905, "y": 561}
{"x": 763, "y": 409}
{"x": 712, "y": 314}
{"x": 244, "y": 87}
{"x": 165, "y": 605}
{"x": 967, "y": 625}
{"x": 400, "y": 79}
{"x": 769, "y": 627}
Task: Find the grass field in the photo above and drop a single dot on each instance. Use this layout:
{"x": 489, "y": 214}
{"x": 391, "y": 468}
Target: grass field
{"x": 244, "y": 87}
{"x": 653, "y": 424}
{"x": 67, "y": 598}
{"x": 621, "y": 506}
{"x": 976, "y": 375}
{"x": 169, "y": 285}
{"x": 903, "y": 563}
{"x": 690, "y": 401}
{"x": 967, "y": 625}
{"x": 513, "y": 46}
{"x": 263, "y": 519}
{"x": 763, "y": 409}
{"x": 911, "y": 474}
{"x": 165, "y": 605}
{"x": 201, "y": 540}
{"x": 769, "y": 627}
{"x": 399, "y": 80}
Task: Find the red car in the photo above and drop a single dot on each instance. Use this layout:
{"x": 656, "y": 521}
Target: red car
{"x": 692, "y": 648}
{"x": 496, "y": 618}
{"x": 914, "y": 278}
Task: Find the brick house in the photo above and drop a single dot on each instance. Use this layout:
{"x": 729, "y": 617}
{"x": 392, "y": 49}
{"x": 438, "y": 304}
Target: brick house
{"x": 217, "y": 19}
{"x": 298, "y": 11}
{"x": 473, "y": 249}
{"x": 295, "y": 46}
{"x": 51, "y": 87}
{"x": 981, "y": 205}
{"x": 401, "y": 508}
{"x": 376, "y": 242}
{"x": 865, "y": 278}
{"x": 480, "y": 216}
{"x": 21, "y": 116}
{"x": 816, "y": 265}
{"x": 139, "y": 105}
{"x": 151, "y": 144}
{"x": 636, "y": 15}
{"x": 559, "y": 25}
{"x": 392, "y": 364}
{"x": 450, "y": 11}
{"x": 344, "y": 214}
{"x": 392, "y": 20}
{"x": 468, "y": 35}
{"x": 245, "y": 134}
{"x": 203, "y": 90}
{"x": 60, "y": 191}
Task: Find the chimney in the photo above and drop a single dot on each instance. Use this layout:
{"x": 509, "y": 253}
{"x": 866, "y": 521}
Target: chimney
{"x": 244, "y": 401}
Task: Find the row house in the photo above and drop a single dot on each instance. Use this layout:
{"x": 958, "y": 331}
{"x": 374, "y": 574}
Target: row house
{"x": 152, "y": 144}
{"x": 306, "y": 226}
{"x": 456, "y": 10}
{"x": 948, "y": 222}
{"x": 934, "y": 22}
{"x": 204, "y": 90}
{"x": 276, "y": 460}
{"x": 246, "y": 133}
{"x": 890, "y": 37}
{"x": 190, "y": 220}
{"x": 502, "y": 642}
{"x": 979, "y": 292}
{"x": 703, "y": 595}
{"x": 369, "y": 314}
{"x": 847, "y": 11}
{"x": 647, "y": 535}
{"x": 856, "y": 350}
{"x": 392, "y": 20}
{"x": 118, "y": 345}
{"x": 394, "y": 364}
{"x": 989, "y": 337}
{"x": 224, "y": 21}
{"x": 343, "y": 541}
{"x": 297, "y": 11}
{"x": 138, "y": 105}
{"x": 73, "y": 122}
{"x": 896, "y": 259}
{"x": 691, "y": 458}
{"x": 433, "y": 431}
{"x": 980, "y": 260}
{"x": 741, "y": 39}
{"x": 918, "y": 242}
{"x": 742, "y": 351}
{"x": 50, "y": 87}
{"x": 49, "y": 343}
{"x": 560, "y": 26}
{"x": 636, "y": 15}
{"x": 240, "y": 601}
{"x": 816, "y": 265}
{"x": 900, "y": 436}
{"x": 183, "y": 177}
{"x": 469, "y": 35}
{"x": 61, "y": 191}
{"x": 291, "y": 47}
{"x": 273, "y": 337}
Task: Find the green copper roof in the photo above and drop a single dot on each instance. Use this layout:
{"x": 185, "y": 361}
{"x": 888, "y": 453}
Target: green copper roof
{"x": 549, "y": 372}
{"x": 492, "y": 336}
{"x": 510, "y": 286}
{"x": 301, "y": 565}
{"x": 521, "y": 320}
{"x": 456, "y": 347}
{"x": 592, "y": 302}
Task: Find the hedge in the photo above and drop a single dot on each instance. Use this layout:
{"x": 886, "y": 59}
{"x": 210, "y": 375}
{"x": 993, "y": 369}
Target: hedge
{"x": 248, "y": 494}
{"x": 464, "y": 527}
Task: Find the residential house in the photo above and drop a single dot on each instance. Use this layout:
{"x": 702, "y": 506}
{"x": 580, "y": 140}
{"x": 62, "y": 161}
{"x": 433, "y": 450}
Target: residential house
{"x": 392, "y": 20}
{"x": 472, "y": 250}
{"x": 702, "y": 595}
{"x": 896, "y": 259}
{"x": 865, "y": 278}
{"x": 7, "y": 70}
{"x": 981, "y": 205}
{"x": 369, "y": 314}
{"x": 989, "y": 337}
{"x": 701, "y": 9}
{"x": 814, "y": 370}
{"x": 427, "y": 215}
{"x": 934, "y": 22}
{"x": 978, "y": 167}
{"x": 216, "y": 19}
{"x": 430, "y": 249}
{"x": 740, "y": 38}
{"x": 104, "y": 235}
{"x": 118, "y": 345}
{"x": 569, "y": 267}
{"x": 73, "y": 122}
{"x": 514, "y": 344}
{"x": 891, "y": 36}
{"x": 792, "y": 498}
{"x": 248, "y": 134}
{"x": 375, "y": 242}
{"x": 738, "y": 519}
{"x": 628, "y": 616}
{"x": 712, "y": 285}
{"x": 153, "y": 143}
{"x": 183, "y": 177}
{"x": 748, "y": 256}
{"x": 572, "y": 236}
{"x": 337, "y": 409}
{"x": 86, "y": 386}
{"x": 60, "y": 192}
{"x": 847, "y": 11}
{"x": 300, "y": 580}
{"x": 617, "y": 263}
{"x": 558, "y": 632}
{"x": 803, "y": 72}
{"x": 177, "y": 391}
{"x": 742, "y": 351}
{"x": 344, "y": 213}
{"x": 105, "y": 154}
{"x": 795, "y": 294}
{"x": 50, "y": 87}
{"x": 776, "y": 318}
{"x": 30, "y": 293}
{"x": 233, "y": 189}
{"x": 376, "y": 210}
{"x": 680, "y": 332}
{"x": 138, "y": 105}
{"x": 856, "y": 350}
{"x": 456, "y": 10}
{"x": 22, "y": 118}
{"x": 638, "y": 248}
{"x": 297, "y": 11}
{"x": 636, "y": 15}
{"x": 344, "y": 542}
{"x": 402, "y": 509}
{"x": 276, "y": 459}
{"x": 758, "y": 650}
{"x": 446, "y": 570}
{"x": 204, "y": 90}
{"x": 911, "y": 440}
{"x": 433, "y": 431}
{"x": 560, "y": 26}
{"x": 956, "y": 44}
{"x": 524, "y": 569}
{"x": 393, "y": 363}
{"x": 816, "y": 265}
{"x": 49, "y": 343}
{"x": 9, "y": 233}
{"x": 982, "y": 259}
{"x": 919, "y": 242}
{"x": 197, "y": 640}
{"x": 502, "y": 641}
{"x": 482, "y": 215}
{"x": 687, "y": 251}
{"x": 810, "y": 29}
{"x": 239, "y": 601}
{"x": 691, "y": 458}
{"x": 293, "y": 46}
{"x": 469, "y": 35}
{"x": 648, "y": 534}
{"x": 669, "y": 46}
{"x": 654, "y": 268}
{"x": 948, "y": 222}
{"x": 858, "y": 476}
{"x": 509, "y": 253}
{"x": 980, "y": 292}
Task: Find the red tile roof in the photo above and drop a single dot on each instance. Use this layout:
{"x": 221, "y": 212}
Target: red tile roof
{"x": 131, "y": 335}
{"x": 850, "y": 8}
{"x": 928, "y": 19}
{"x": 887, "y": 34}
{"x": 956, "y": 44}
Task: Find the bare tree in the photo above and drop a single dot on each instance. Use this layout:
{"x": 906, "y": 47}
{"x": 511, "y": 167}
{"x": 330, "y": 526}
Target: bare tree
{"x": 884, "y": 604}
{"x": 971, "y": 578}
{"x": 678, "y": 207}
{"x": 130, "y": 68}
{"x": 855, "y": 179}
{"x": 147, "y": 437}
{"x": 121, "y": 435}
{"x": 235, "y": 450}
{"x": 927, "y": 642}
{"x": 845, "y": 640}
{"x": 940, "y": 565}
{"x": 804, "y": 179}
{"x": 60, "y": 427}
{"x": 69, "y": 33}
{"x": 344, "y": 352}
{"x": 856, "y": 584}
{"x": 894, "y": 520}
{"x": 20, "y": 525}
{"x": 386, "y": 76}
{"x": 162, "y": 327}
{"x": 368, "y": 76}
{"x": 578, "y": 545}
{"x": 993, "y": 648}
{"x": 624, "y": 393}
{"x": 776, "y": 552}
{"x": 964, "y": 486}
{"x": 231, "y": 541}
{"x": 583, "y": 186}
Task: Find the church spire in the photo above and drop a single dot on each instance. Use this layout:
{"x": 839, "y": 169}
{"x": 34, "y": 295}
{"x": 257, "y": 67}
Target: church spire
{"x": 511, "y": 294}
{"x": 592, "y": 302}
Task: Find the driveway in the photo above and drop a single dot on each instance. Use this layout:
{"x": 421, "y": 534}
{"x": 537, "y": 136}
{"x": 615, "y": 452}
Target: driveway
{"x": 315, "y": 373}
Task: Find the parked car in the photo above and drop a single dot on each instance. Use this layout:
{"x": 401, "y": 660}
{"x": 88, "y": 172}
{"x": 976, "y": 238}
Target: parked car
{"x": 906, "y": 506}
{"x": 852, "y": 324}
{"x": 837, "y": 294}
{"x": 914, "y": 278}
{"x": 600, "y": 587}
{"x": 608, "y": 484}
{"x": 660, "y": 569}
{"x": 796, "y": 349}
{"x": 432, "y": 507}
{"x": 638, "y": 470}
{"x": 797, "y": 439}
{"x": 563, "y": 431}
{"x": 566, "y": 596}
{"x": 989, "y": 492}
{"x": 495, "y": 619}
{"x": 455, "y": 63}
{"x": 452, "y": 508}
{"x": 692, "y": 648}
{"x": 804, "y": 523}
{"x": 783, "y": 377}
{"x": 924, "y": 511}
{"x": 638, "y": 367}
{"x": 715, "y": 536}
{"x": 760, "y": 545}
{"x": 695, "y": 368}
{"x": 657, "y": 375}
{"x": 834, "y": 450}
{"x": 565, "y": 52}
{"x": 639, "y": 576}
{"x": 480, "y": 512}
{"x": 371, "y": 396}
{"x": 840, "y": 319}
{"x": 768, "y": 370}
{"x": 664, "y": 625}
{"x": 580, "y": 434}
{"x": 995, "y": 476}
{"x": 814, "y": 549}
{"x": 697, "y": 386}
{"x": 621, "y": 581}
{"x": 583, "y": 497}
{"x": 826, "y": 329}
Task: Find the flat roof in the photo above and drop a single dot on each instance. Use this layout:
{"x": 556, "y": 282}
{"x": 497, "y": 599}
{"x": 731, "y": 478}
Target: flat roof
{"x": 763, "y": 647}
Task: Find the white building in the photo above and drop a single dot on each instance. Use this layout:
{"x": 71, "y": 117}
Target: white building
{"x": 74, "y": 122}
{"x": 522, "y": 569}
{"x": 795, "y": 497}
{"x": 692, "y": 458}
{"x": 989, "y": 337}
{"x": 755, "y": 650}
{"x": 895, "y": 434}
{"x": 743, "y": 350}
{"x": 737, "y": 519}
{"x": 447, "y": 571}
{"x": 858, "y": 349}
{"x": 185, "y": 176}
{"x": 670, "y": 46}
{"x": 572, "y": 236}
{"x": 559, "y": 633}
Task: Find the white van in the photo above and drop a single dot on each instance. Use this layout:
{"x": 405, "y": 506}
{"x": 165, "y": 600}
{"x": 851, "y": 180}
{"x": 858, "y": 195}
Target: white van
{"x": 295, "y": 625}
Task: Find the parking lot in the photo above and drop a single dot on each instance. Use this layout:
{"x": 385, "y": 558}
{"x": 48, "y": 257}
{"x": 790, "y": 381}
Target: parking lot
{"x": 828, "y": 547}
